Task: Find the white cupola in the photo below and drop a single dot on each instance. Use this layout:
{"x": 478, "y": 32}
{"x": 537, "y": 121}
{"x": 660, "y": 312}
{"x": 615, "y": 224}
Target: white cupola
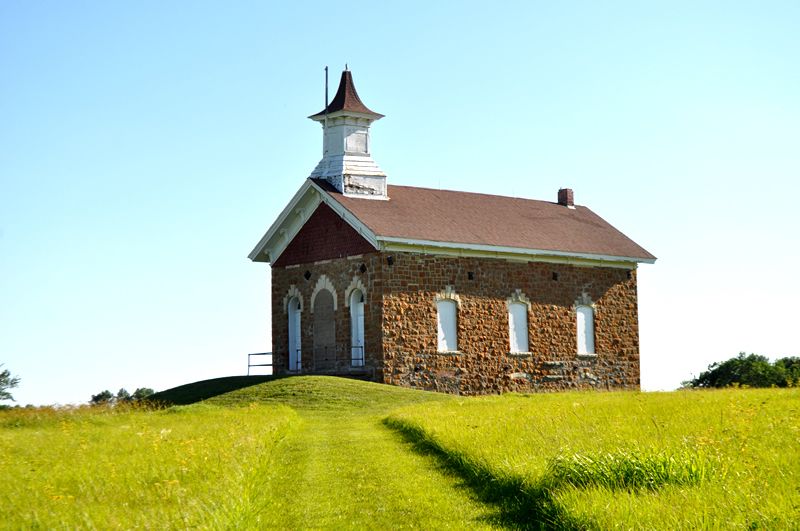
{"x": 346, "y": 161}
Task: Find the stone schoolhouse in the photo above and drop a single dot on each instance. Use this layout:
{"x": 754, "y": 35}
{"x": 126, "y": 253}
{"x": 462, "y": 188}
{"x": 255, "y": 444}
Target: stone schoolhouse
{"x": 450, "y": 291}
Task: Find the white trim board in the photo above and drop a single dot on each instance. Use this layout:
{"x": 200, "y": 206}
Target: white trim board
{"x": 302, "y": 205}
{"x": 508, "y": 253}
{"x": 276, "y": 225}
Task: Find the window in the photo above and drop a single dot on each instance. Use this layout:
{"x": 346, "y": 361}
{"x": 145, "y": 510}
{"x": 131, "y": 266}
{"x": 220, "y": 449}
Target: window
{"x": 357, "y": 328}
{"x": 585, "y": 316}
{"x": 293, "y": 311}
{"x": 518, "y": 326}
{"x": 355, "y": 298}
{"x": 447, "y": 326}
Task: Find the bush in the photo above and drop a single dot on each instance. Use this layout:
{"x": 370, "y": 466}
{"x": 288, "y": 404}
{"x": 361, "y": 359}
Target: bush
{"x": 792, "y": 367}
{"x": 751, "y": 370}
{"x": 103, "y": 397}
{"x": 122, "y": 396}
{"x": 142, "y": 392}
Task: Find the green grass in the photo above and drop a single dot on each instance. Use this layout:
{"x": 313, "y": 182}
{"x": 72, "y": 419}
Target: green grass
{"x": 627, "y": 470}
{"x": 286, "y": 453}
{"x": 333, "y": 453}
{"x": 205, "y": 389}
{"x": 345, "y": 469}
{"x": 100, "y": 468}
{"x": 633, "y": 460}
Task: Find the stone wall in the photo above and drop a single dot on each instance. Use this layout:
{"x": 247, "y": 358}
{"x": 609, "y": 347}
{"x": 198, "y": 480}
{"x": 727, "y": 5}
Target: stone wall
{"x": 341, "y": 274}
{"x": 401, "y": 330}
{"x": 483, "y": 364}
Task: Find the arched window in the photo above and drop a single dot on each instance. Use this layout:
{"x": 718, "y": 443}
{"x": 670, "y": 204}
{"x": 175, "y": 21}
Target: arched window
{"x": 518, "y": 326}
{"x": 293, "y": 312}
{"x": 357, "y": 328}
{"x": 447, "y": 325}
{"x": 585, "y": 317}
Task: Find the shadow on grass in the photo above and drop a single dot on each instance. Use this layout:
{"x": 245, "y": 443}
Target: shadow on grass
{"x": 519, "y": 505}
{"x": 197, "y": 391}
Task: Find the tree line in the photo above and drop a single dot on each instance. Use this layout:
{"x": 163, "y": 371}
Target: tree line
{"x": 8, "y": 382}
{"x": 122, "y": 396}
{"x": 751, "y": 370}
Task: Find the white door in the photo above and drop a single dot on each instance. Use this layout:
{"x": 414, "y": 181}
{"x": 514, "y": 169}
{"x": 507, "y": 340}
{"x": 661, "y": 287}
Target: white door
{"x": 357, "y": 328}
{"x": 294, "y": 335}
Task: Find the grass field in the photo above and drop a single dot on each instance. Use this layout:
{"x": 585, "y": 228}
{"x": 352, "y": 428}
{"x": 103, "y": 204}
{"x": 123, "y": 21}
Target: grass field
{"x": 324, "y": 452}
{"x": 711, "y": 459}
{"x": 98, "y": 468}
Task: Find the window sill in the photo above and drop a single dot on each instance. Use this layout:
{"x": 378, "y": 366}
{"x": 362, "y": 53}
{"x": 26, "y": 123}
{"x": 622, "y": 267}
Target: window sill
{"x": 450, "y": 352}
{"x": 587, "y": 356}
{"x": 520, "y": 354}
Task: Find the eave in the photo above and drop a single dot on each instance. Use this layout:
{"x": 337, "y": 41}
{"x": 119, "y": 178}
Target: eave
{"x": 294, "y": 216}
{"x": 514, "y": 254}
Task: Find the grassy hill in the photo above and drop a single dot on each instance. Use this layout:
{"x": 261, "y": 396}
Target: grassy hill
{"x": 255, "y": 452}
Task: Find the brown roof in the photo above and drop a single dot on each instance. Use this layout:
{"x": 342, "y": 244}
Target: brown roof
{"x": 492, "y": 220}
{"x": 347, "y": 99}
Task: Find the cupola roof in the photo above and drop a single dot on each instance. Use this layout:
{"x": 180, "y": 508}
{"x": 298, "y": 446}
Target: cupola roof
{"x": 347, "y": 100}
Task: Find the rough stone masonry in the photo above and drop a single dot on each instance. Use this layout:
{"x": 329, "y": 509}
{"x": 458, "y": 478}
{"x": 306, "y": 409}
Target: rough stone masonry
{"x": 401, "y": 325}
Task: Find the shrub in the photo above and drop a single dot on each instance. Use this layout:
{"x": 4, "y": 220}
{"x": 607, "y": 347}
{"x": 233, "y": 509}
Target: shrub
{"x": 142, "y": 392}
{"x": 103, "y": 397}
{"x": 792, "y": 367}
{"x": 122, "y": 396}
{"x": 750, "y": 370}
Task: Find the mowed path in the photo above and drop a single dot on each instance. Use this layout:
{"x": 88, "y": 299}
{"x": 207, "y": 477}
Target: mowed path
{"x": 342, "y": 468}
{"x": 351, "y": 471}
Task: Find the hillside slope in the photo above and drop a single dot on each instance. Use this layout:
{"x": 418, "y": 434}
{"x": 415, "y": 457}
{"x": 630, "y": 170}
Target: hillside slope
{"x": 312, "y": 451}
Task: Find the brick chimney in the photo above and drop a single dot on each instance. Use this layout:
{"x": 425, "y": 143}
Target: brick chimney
{"x": 566, "y": 197}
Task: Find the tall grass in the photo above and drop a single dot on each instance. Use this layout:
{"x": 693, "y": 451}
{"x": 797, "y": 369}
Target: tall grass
{"x": 127, "y": 467}
{"x": 292, "y": 453}
{"x": 315, "y": 452}
{"x": 627, "y": 470}
{"x": 633, "y": 460}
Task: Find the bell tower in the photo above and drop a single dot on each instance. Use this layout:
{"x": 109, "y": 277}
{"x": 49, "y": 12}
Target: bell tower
{"x": 346, "y": 161}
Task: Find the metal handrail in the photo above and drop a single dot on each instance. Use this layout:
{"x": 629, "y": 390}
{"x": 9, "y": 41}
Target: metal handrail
{"x": 251, "y": 364}
{"x": 357, "y": 361}
{"x": 322, "y": 358}
{"x": 298, "y": 361}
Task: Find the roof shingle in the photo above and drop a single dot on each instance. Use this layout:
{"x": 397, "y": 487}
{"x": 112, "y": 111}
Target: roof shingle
{"x": 347, "y": 99}
{"x": 424, "y": 214}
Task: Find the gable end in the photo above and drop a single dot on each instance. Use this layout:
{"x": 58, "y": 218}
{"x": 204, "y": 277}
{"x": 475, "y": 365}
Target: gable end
{"x": 324, "y": 236}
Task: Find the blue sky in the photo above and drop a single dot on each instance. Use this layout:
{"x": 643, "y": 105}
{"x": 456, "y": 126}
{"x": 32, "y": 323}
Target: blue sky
{"x": 145, "y": 147}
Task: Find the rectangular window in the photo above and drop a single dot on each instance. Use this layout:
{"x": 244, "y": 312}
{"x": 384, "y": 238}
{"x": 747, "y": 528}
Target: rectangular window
{"x": 585, "y": 315}
{"x": 518, "y": 326}
{"x": 446, "y": 324}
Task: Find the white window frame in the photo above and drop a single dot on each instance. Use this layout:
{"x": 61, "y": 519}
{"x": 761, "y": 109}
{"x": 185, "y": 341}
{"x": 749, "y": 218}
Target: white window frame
{"x": 294, "y": 336}
{"x": 447, "y": 303}
{"x": 518, "y": 328}
{"x": 356, "y": 302}
{"x": 584, "y": 320}
{"x": 518, "y": 300}
{"x": 447, "y": 325}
